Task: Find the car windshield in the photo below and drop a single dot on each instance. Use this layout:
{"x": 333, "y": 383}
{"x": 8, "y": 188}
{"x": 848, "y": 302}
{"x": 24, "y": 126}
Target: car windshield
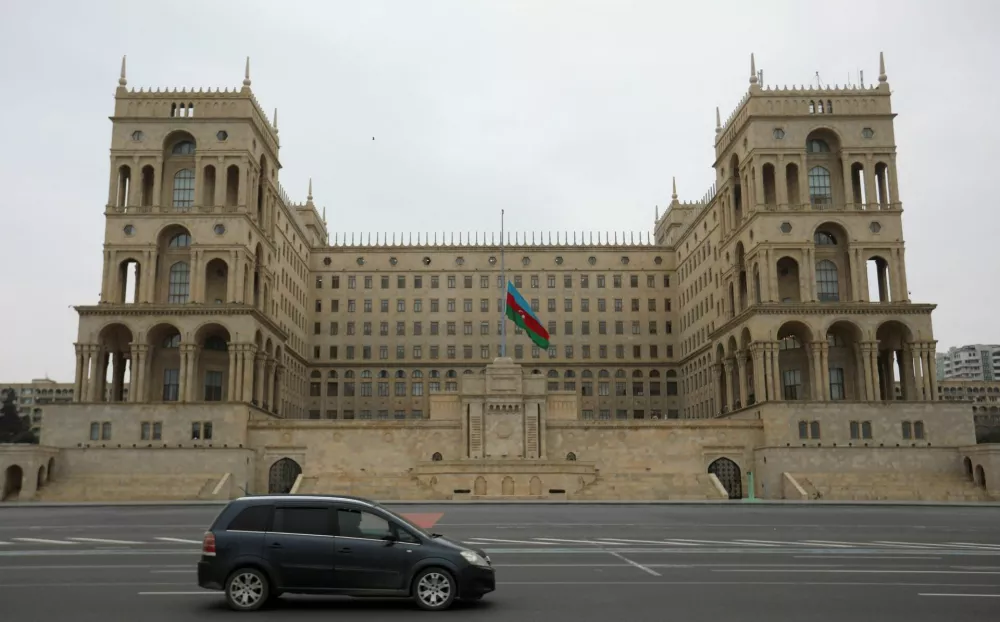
{"x": 406, "y": 523}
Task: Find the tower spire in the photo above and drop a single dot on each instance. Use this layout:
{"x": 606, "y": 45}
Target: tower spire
{"x": 674, "y": 195}
{"x": 121, "y": 79}
{"x": 882, "y": 78}
{"x": 753, "y": 70}
{"x": 246, "y": 74}
{"x": 309, "y": 197}
{"x": 718, "y": 121}
{"x": 275, "y": 123}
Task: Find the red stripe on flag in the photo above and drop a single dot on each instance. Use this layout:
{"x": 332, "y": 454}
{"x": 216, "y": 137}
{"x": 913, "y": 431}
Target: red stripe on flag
{"x": 530, "y": 322}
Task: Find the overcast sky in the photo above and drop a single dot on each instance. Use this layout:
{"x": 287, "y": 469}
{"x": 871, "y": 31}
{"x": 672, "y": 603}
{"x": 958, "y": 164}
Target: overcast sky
{"x": 568, "y": 114}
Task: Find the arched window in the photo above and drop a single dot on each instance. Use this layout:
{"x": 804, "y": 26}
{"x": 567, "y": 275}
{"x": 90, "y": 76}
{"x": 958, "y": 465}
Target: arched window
{"x": 812, "y": 107}
{"x": 315, "y": 374}
{"x": 417, "y": 374}
{"x": 435, "y": 373}
{"x": 348, "y": 374}
{"x": 400, "y": 374}
{"x": 185, "y": 147}
{"x": 819, "y": 107}
{"x": 181, "y": 240}
{"x": 553, "y": 373}
{"x": 215, "y": 343}
{"x": 451, "y": 374}
{"x": 180, "y": 283}
{"x": 173, "y": 341}
{"x": 824, "y": 238}
{"x": 820, "y": 192}
{"x": 383, "y": 374}
{"x": 366, "y": 373}
{"x": 817, "y": 145}
{"x": 829, "y": 107}
{"x": 587, "y": 374}
{"x": 828, "y": 287}
{"x": 603, "y": 374}
{"x": 332, "y": 373}
{"x": 184, "y": 188}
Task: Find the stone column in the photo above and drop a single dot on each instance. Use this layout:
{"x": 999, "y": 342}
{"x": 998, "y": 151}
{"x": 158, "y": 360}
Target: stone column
{"x": 107, "y": 276}
{"x": 758, "y": 183}
{"x": 117, "y": 376}
{"x": 258, "y": 389}
{"x": 824, "y": 368}
{"x": 932, "y": 369}
{"x": 81, "y": 372}
{"x": 279, "y": 374}
{"x": 774, "y": 354}
{"x": 760, "y": 393}
{"x": 856, "y": 263}
{"x": 904, "y": 294}
{"x": 816, "y": 376}
{"x": 717, "y": 371}
{"x": 876, "y": 386}
{"x": 248, "y": 356}
{"x": 182, "y": 373}
{"x": 267, "y": 393}
{"x": 231, "y": 376}
{"x": 908, "y": 373}
{"x": 148, "y": 280}
{"x": 196, "y": 277}
{"x": 158, "y": 182}
{"x": 741, "y": 375}
{"x": 728, "y": 371}
{"x": 893, "y": 184}
{"x": 231, "y": 275}
{"x": 193, "y": 382}
{"x": 781, "y": 183}
{"x": 221, "y": 181}
{"x": 870, "y": 196}
{"x": 94, "y": 364}
{"x": 848, "y": 189}
{"x": 810, "y": 270}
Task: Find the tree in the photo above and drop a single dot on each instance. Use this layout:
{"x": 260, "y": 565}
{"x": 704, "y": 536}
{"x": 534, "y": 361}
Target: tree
{"x": 13, "y": 427}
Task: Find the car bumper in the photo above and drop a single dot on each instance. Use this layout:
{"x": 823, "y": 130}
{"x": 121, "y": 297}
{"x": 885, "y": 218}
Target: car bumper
{"x": 209, "y": 577}
{"x": 476, "y": 581}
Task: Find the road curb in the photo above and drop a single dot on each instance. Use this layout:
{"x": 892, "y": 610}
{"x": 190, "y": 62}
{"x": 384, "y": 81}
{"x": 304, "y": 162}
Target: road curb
{"x": 721, "y": 503}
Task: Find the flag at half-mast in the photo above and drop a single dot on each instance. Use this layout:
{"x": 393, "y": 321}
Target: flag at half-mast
{"x": 519, "y": 311}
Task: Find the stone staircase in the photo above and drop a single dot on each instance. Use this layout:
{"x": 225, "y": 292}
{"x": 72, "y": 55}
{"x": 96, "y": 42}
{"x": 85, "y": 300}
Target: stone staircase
{"x": 120, "y": 487}
{"x": 397, "y": 487}
{"x": 890, "y": 486}
{"x": 649, "y": 487}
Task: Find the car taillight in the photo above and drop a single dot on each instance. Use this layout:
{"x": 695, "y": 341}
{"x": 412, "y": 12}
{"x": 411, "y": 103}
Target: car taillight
{"x": 208, "y": 544}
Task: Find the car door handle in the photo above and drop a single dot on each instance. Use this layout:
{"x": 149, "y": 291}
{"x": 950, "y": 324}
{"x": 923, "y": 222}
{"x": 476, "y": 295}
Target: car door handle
{"x": 275, "y": 545}
{"x": 344, "y": 549}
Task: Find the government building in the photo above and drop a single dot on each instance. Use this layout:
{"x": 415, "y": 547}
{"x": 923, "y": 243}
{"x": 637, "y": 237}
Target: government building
{"x": 751, "y": 345}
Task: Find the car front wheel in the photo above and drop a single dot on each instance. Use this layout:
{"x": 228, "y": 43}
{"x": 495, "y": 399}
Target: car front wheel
{"x": 434, "y": 589}
{"x": 247, "y": 589}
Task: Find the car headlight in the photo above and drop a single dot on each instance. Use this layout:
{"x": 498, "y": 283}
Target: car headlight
{"x": 474, "y": 558}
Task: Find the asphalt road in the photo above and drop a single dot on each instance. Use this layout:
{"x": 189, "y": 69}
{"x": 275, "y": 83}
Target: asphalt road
{"x": 554, "y": 563}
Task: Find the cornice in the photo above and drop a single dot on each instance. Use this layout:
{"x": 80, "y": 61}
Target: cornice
{"x": 827, "y": 309}
{"x": 141, "y": 309}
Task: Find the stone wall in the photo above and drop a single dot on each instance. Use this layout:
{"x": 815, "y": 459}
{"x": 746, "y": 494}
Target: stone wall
{"x": 27, "y": 469}
{"x": 981, "y": 466}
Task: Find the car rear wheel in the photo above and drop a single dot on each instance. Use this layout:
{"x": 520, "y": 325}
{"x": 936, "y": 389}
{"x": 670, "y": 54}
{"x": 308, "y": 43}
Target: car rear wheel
{"x": 247, "y": 589}
{"x": 434, "y": 589}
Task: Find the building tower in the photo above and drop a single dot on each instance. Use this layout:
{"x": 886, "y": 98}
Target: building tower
{"x": 199, "y": 249}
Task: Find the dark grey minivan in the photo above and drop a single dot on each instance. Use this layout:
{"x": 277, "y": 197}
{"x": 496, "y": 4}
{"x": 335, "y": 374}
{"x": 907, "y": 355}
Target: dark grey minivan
{"x": 261, "y": 547}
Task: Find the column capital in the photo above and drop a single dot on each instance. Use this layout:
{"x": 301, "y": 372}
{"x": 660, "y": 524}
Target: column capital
{"x": 138, "y": 348}
{"x": 190, "y": 347}
{"x": 728, "y": 364}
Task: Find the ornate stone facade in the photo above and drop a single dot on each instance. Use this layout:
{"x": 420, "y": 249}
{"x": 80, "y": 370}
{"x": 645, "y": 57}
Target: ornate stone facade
{"x": 773, "y": 312}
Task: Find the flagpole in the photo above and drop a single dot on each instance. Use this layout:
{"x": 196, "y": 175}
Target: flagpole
{"x": 503, "y": 296}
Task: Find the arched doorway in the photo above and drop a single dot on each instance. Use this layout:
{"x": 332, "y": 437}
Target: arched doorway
{"x": 507, "y": 486}
{"x": 41, "y": 478}
{"x": 729, "y": 475}
{"x": 282, "y": 476}
{"x": 967, "y": 463}
{"x": 13, "y": 479}
{"x": 980, "y": 475}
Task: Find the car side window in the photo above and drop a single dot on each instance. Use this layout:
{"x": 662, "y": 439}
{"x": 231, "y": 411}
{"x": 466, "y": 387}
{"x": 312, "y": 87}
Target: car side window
{"x": 353, "y": 523}
{"x": 405, "y": 536}
{"x": 253, "y": 518}
{"x": 310, "y": 521}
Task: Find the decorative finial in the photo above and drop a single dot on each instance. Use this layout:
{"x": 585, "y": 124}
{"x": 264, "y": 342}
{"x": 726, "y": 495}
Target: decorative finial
{"x": 657, "y": 213}
{"x": 309, "y": 197}
{"x": 275, "y": 123}
{"x": 718, "y": 121}
{"x": 121, "y": 80}
{"x": 246, "y": 73}
{"x": 324, "y": 214}
{"x": 753, "y": 70}
{"x": 881, "y": 68}
{"x": 674, "y": 195}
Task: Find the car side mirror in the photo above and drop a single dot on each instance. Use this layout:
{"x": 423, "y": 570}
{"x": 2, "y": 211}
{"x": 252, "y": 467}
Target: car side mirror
{"x": 390, "y": 539}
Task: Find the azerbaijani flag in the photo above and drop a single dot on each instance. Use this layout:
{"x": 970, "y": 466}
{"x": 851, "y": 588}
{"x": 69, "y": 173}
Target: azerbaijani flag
{"x": 519, "y": 311}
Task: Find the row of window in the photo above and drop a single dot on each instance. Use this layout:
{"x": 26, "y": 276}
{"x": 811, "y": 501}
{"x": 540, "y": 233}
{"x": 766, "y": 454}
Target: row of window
{"x": 617, "y": 280}
{"x": 451, "y": 305}
{"x": 402, "y": 388}
{"x": 150, "y": 431}
{"x": 862, "y": 430}
{"x": 451, "y": 352}
{"x": 316, "y": 521}
{"x": 451, "y": 328}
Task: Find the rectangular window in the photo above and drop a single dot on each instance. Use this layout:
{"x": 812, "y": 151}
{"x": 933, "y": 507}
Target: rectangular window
{"x": 484, "y": 282}
{"x": 400, "y": 282}
{"x": 418, "y": 282}
{"x": 171, "y": 384}
{"x": 335, "y": 282}
{"x": 333, "y": 353}
{"x": 400, "y": 352}
{"x": 384, "y": 282}
{"x": 467, "y": 281}
{"x": 837, "y": 384}
{"x": 418, "y": 352}
{"x": 332, "y": 389}
{"x": 383, "y": 305}
{"x": 792, "y": 383}
{"x": 401, "y": 305}
{"x": 451, "y": 281}
{"x": 213, "y": 386}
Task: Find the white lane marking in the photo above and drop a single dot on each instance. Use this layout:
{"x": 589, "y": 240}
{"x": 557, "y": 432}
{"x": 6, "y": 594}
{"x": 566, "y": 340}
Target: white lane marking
{"x": 836, "y": 545}
{"x": 636, "y": 564}
{"x": 202, "y": 593}
{"x": 181, "y": 540}
{"x": 726, "y": 542}
{"x": 973, "y": 544}
{"x": 862, "y": 571}
{"x": 482, "y": 540}
{"x": 43, "y": 541}
{"x": 962, "y": 595}
{"x": 188, "y": 571}
{"x": 766, "y": 542}
{"x": 661, "y": 542}
{"x": 105, "y": 540}
{"x": 912, "y": 545}
{"x": 3, "y": 543}
{"x": 548, "y": 540}
{"x": 867, "y": 557}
